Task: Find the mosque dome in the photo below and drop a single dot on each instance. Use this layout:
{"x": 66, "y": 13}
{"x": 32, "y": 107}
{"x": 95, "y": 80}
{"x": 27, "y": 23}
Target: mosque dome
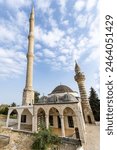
{"x": 61, "y": 89}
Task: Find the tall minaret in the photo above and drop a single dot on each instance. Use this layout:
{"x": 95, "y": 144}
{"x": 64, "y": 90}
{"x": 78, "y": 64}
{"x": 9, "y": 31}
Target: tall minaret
{"x": 80, "y": 79}
{"x": 28, "y": 93}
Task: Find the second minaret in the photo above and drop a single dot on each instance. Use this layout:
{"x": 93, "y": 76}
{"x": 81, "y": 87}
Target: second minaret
{"x": 28, "y": 93}
{"x": 86, "y": 108}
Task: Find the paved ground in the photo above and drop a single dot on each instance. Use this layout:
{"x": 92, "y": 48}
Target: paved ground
{"x": 92, "y": 137}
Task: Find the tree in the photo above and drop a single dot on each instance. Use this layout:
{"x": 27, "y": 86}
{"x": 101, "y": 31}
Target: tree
{"x": 4, "y": 109}
{"x": 45, "y": 139}
{"x": 13, "y": 104}
{"x": 95, "y": 104}
{"x": 36, "y": 97}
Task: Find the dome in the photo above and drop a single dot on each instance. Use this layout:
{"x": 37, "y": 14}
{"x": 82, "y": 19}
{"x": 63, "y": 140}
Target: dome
{"x": 61, "y": 89}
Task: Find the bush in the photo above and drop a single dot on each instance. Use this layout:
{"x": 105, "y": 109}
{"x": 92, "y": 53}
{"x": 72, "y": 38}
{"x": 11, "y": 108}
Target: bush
{"x": 4, "y": 109}
{"x": 45, "y": 139}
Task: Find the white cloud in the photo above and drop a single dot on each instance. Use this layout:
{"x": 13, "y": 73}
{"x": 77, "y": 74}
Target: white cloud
{"x": 65, "y": 22}
{"x": 51, "y": 38}
{"x": 12, "y": 37}
{"x": 94, "y": 32}
{"x": 82, "y": 20}
{"x": 12, "y": 63}
{"x": 83, "y": 41}
{"x": 94, "y": 55}
{"x": 48, "y": 53}
{"x": 6, "y": 34}
{"x": 90, "y": 4}
{"x": 62, "y": 4}
{"x": 97, "y": 79}
{"x": 62, "y": 59}
{"x": 64, "y": 51}
{"x": 79, "y": 5}
{"x": 43, "y": 5}
{"x": 37, "y": 46}
{"x": 37, "y": 33}
{"x": 16, "y": 4}
{"x": 52, "y": 22}
{"x": 22, "y": 19}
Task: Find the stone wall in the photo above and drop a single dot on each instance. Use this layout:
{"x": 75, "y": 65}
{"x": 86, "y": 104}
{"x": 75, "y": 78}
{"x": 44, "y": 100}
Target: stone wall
{"x": 23, "y": 141}
{"x": 18, "y": 141}
{"x": 70, "y": 144}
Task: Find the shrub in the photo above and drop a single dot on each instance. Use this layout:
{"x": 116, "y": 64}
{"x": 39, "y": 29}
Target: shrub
{"x": 45, "y": 139}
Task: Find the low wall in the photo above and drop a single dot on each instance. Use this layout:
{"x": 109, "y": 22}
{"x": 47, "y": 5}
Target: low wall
{"x": 70, "y": 144}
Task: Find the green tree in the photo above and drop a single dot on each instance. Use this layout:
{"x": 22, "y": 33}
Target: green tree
{"x": 13, "y": 104}
{"x": 45, "y": 139}
{"x": 36, "y": 97}
{"x": 95, "y": 104}
{"x": 4, "y": 109}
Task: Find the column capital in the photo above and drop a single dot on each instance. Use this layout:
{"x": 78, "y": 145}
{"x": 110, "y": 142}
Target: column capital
{"x": 61, "y": 116}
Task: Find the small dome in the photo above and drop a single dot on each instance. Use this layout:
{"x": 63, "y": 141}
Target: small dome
{"x": 61, "y": 89}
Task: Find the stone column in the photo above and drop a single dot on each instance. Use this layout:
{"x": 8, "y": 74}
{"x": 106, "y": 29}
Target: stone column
{"x": 19, "y": 121}
{"x": 33, "y": 123}
{"x": 7, "y": 122}
{"x": 47, "y": 121}
{"x": 62, "y": 125}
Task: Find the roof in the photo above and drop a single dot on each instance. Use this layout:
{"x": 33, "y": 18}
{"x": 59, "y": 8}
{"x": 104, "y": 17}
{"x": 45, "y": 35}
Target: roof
{"x": 61, "y": 89}
{"x": 66, "y": 98}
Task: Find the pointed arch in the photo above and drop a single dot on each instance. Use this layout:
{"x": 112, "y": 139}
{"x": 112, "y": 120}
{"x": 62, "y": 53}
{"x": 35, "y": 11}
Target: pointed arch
{"x": 13, "y": 119}
{"x": 69, "y": 121}
{"x": 40, "y": 117}
{"x": 26, "y": 120}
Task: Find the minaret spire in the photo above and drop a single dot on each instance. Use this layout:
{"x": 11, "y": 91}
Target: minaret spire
{"x": 80, "y": 79}
{"x": 28, "y": 94}
{"x": 77, "y": 68}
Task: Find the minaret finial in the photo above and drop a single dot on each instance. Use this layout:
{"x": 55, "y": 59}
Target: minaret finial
{"x": 32, "y": 12}
{"x": 77, "y": 68}
{"x": 32, "y": 9}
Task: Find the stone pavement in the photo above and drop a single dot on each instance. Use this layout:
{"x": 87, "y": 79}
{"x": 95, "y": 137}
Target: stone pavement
{"x": 92, "y": 137}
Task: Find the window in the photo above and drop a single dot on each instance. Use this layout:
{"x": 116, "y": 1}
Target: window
{"x": 51, "y": 120}
{"x": 70, "y": 122}
{"x": 23, "y": 118}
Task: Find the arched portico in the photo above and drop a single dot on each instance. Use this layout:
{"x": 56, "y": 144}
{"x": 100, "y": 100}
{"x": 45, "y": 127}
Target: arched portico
{"x": 62, "y": 118}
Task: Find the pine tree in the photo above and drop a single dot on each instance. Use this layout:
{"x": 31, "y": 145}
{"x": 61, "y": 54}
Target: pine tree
{"x": 95, "y": 104}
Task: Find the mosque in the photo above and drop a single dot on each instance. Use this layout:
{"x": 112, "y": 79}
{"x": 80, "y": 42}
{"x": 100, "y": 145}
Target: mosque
{"x": 63, "y": 110}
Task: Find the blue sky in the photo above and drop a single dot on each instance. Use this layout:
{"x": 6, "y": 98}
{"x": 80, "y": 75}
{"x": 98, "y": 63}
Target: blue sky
{"x": 65, "y": 31}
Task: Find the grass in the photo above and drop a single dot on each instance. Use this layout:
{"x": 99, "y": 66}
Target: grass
{"x": 3, "y": 116}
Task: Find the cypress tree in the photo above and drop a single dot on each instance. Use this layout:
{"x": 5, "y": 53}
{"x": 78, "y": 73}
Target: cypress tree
{"x": 95, "y": 104}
